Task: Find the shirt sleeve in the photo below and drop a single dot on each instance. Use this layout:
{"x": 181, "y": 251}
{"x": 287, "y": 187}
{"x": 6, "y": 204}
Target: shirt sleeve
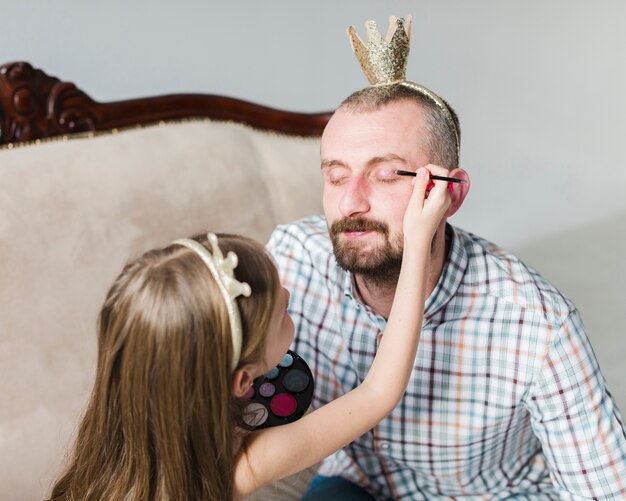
{"x": 291, "y": 261}
{"x": 273, "y": 244}
{"x": 281, "y": 247}
{"x": 576, "y": 419}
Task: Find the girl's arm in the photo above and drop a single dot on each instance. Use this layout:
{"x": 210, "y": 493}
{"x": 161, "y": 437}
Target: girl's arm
{"x": 277, "y": 452}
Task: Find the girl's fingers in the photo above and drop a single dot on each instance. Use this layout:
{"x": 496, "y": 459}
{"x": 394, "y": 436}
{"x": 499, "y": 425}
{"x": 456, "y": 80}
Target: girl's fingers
{"x": 439, "y": 194}
{"x": 422, "y": 180}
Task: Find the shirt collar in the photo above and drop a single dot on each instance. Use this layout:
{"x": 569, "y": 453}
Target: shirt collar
{"x": 447, "y": 285}
{"x": 451, "y": 274}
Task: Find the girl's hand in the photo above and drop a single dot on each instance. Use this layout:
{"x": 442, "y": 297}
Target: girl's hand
{"x": 426, "y": 206}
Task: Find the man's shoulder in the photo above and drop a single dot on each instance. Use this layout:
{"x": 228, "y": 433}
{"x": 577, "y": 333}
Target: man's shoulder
{"x": 307, "y": 236}
{"x": 501, "y": 274}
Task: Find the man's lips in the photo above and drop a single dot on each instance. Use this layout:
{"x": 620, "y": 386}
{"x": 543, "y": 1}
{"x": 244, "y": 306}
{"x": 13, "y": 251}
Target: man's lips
{"x": 356, "y": 234}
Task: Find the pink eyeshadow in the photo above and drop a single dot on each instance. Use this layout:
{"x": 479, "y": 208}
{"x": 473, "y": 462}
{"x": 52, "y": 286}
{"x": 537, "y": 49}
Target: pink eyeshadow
{"x": 283, "y": 405}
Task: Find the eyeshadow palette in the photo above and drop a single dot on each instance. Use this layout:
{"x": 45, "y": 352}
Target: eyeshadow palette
{"x": 280, "y": 396}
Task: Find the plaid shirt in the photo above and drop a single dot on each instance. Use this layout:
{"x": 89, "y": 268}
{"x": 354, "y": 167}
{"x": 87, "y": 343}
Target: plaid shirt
{"x": 506, "y": 399}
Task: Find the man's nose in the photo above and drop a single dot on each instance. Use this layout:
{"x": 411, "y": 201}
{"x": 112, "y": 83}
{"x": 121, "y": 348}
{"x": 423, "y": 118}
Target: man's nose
{"x": 354, "y": 200}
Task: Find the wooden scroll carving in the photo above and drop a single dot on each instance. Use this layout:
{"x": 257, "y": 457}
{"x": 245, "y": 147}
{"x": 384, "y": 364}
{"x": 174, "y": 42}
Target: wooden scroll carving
{"x": 35, "y": 106}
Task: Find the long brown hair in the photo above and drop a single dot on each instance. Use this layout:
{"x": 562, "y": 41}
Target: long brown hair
{"x": 159, "y": 422}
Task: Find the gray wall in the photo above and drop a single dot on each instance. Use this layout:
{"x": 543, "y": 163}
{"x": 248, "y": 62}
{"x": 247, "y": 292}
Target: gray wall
{"x": 540, "y": 88}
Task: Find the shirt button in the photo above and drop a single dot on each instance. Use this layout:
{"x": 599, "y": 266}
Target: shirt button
{"x": 384, "y": 445}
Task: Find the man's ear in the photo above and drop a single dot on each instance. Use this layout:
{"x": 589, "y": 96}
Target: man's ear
{"x": 242, "y": 380}
{"x": 459, "y": 191}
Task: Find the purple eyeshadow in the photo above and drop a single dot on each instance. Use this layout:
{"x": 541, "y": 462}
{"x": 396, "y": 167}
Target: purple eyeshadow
{"x": 250, "y": 393}
{"x": 283, "y": 405}
{"x": 273, "y": 374}
{"x": 287, "y": 361}
{"x": 267, "y": 389}
{"x": 296, "y": 381}
{"x": 255, "y": 414}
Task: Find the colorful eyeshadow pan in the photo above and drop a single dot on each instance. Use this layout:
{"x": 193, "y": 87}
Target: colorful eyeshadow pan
{"x": 255, "y": 415}
{"x": 280, "y": 396}
{"x": 286, "y": 361}
{"x": 283, "y": 405}
{"x": 296, "y": 381}
{"x": 267, "y": 390}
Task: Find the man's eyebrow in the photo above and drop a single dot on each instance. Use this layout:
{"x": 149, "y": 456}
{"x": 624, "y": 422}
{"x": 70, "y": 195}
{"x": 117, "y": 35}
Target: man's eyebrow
{"x": 391, "y": 157}
{"x": 331, "y": 163}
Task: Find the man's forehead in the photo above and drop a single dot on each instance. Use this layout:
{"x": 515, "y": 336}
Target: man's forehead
{"x": 347, "y": 129}
{"x": 359, "y": 136}
{"x": 368, "y": 129}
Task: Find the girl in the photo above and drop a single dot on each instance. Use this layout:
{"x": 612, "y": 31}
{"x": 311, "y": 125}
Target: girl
{"x": 176, "y": 351}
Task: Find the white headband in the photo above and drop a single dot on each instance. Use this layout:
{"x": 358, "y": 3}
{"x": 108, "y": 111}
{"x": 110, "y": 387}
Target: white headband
{"x": 222, "y": 270}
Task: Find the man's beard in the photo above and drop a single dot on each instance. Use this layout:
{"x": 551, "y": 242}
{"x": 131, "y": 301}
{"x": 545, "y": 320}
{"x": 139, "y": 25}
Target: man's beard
{"x": 379, "y": 266}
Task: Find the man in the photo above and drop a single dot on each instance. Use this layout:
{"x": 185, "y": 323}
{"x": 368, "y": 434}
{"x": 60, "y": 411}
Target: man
{"x": 506, "y": 398}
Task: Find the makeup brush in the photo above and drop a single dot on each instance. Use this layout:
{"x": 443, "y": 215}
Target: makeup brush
{"x": 432, "y": 176}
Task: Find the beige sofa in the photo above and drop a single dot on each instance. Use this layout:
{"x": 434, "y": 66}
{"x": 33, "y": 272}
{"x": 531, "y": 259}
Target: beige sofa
{"x": 74, "y": 208}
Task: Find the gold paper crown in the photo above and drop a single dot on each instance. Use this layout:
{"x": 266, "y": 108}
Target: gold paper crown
{"x": 384, "y": 61}
{"x": 223, "y": 271}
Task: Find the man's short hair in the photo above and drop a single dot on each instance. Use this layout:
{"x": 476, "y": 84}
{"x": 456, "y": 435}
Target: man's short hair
{"x": 441, "y": 142}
